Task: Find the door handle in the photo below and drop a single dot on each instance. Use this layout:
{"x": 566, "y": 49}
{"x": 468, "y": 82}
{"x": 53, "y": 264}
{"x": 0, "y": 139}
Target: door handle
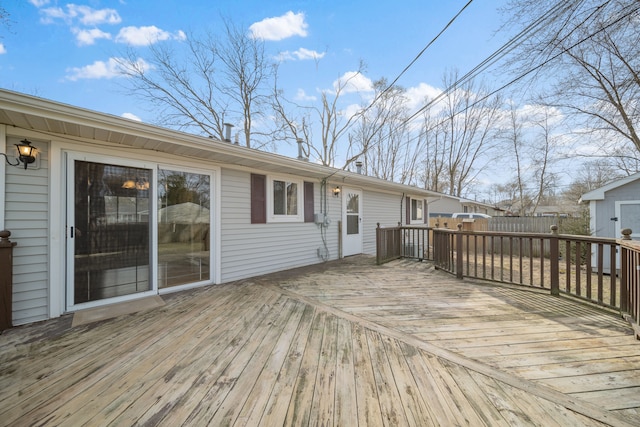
{"x": 71, "y": 234}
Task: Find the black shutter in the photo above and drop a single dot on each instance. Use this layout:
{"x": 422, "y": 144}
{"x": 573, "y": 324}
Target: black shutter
{"x": 258, "y": 199}
{"x": 308, "y": 202}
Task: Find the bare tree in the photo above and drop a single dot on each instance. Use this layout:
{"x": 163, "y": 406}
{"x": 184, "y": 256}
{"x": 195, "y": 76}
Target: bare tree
{"x": 206, "y": 83}
{"x": 382, "y": 138}
{"x": 591, "y": 51}
{"x": 330, "y": 118}
{"x": 514, "y": 136}
{"x": 543, "y": 156}
{"x": 464, "y": 133}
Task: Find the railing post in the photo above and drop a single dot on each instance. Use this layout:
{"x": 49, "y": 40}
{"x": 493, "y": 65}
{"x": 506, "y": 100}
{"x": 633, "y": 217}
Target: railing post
{"x": 554, "y": 255}
{"x": 459, "y": 252}
{"x": 6, "y": 280}
{"x": 379, "y": 244}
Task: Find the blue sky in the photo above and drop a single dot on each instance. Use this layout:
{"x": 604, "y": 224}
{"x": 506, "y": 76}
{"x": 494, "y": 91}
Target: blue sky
{"x": 63, "y": 51}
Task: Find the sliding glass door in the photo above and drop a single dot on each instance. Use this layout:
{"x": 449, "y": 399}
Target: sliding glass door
{"x": 108, "y": 231}
{"x": 184, "y": 220}
{"x": 132, "y": 231}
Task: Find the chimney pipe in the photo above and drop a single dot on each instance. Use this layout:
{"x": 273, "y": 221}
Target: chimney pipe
{"x": 301, "y": 153}
{"x": 359, "y": 167}
{"x": 227, "y": 131}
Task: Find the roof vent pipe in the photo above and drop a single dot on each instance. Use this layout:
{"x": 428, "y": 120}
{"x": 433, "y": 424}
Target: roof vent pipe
{"x": 302, "y": 155}
{"x": 359, "y": 167}
{"x": 227, "y": 131}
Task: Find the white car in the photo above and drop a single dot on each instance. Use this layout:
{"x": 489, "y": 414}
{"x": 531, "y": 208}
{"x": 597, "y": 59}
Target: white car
{"x": 469, "y": 215}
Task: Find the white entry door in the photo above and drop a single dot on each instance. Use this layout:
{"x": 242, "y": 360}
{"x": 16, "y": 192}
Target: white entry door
{"x": 351, "y": 221}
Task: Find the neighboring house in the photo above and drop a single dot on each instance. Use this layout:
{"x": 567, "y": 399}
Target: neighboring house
{"x": 445, "y": 205}
{"x": 614, "y": 207}
{"x": 113, "y": 209}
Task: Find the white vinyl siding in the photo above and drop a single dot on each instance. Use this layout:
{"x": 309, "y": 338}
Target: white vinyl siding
{"x": 26, "y": 217}
{"x": 386, "y": 209}
{"x": 254, "y": 249}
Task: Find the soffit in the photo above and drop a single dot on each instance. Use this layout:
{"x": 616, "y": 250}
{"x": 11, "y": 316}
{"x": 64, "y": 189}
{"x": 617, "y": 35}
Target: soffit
{"x": 61, "y": 120}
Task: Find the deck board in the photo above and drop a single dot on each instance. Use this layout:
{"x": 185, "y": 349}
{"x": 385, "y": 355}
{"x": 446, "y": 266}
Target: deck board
{"x": 343, "y": 343}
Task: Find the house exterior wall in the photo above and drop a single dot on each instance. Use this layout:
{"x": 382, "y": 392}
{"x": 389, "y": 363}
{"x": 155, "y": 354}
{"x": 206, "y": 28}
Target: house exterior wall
{"x": 378, "y": 207}
{"x": 26, "y": 216}
{"x": 253, "y": 249}
{"x": 35, "y": 212}
{"x": 444, "y": 205}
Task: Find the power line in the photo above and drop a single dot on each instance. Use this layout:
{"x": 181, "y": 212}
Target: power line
{"x": 549, "y": 15}
{"x": 413, "y": 61}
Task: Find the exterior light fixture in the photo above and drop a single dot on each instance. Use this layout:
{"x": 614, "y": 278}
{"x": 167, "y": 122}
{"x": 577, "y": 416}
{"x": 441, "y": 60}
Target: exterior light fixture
{"x": 336, "y": 191}
{"x": 26, "y": 154}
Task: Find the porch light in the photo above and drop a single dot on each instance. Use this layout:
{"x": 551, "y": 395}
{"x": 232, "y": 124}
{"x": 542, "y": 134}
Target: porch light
{"x": 26, "y": 154}
{"x": 336, "y": 191}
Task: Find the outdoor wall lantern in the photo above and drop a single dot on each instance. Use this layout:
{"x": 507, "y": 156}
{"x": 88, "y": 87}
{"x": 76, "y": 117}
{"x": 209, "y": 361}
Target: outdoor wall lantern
{"x": 26, "y": 154}
{"x": 336, "y": 191}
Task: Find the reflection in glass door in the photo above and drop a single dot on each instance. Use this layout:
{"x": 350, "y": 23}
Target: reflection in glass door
{"x": 183, "y": 228}
{"x": 110, "y": 231}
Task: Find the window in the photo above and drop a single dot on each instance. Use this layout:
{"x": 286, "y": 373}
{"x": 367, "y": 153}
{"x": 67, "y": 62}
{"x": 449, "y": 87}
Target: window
{"x": 285, "y": 198}
{"x": 281, "y": 199}
{"x": 415, "y": 210}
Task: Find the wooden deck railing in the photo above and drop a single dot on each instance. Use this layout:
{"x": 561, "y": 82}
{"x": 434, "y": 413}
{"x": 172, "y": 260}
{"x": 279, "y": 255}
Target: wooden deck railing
{"x": 603, "y": 271}
{"x": 403, "y": 242}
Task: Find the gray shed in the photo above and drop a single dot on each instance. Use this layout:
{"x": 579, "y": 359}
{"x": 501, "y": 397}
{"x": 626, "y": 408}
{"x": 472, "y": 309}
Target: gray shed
{"x": 614, "y": 207}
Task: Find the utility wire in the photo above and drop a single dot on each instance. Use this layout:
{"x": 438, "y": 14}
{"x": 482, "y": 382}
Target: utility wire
{"x": 413, "y": 61}
{"x": 501, "y": 52}
{"x": 520, "y": 35}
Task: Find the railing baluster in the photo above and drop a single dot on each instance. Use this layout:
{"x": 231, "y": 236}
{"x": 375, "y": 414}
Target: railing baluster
{"x": 578, "y": 263}
{"x": 600, "y": 272}
{"x": 612, "y": 274}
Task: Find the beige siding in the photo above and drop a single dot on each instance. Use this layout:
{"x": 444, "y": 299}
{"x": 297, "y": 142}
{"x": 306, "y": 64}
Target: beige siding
{"x": 253, "y": 249}
{"x": 26, "y": 216}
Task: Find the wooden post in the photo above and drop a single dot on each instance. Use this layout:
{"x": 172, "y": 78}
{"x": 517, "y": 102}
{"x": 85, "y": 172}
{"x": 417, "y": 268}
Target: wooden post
{"x": 6, "y": 280}
{"x": 554, "y": 254}
{"x": 624, "y": 275}
{"x": 379, "y": 244}
{"x": 459, "y": 252}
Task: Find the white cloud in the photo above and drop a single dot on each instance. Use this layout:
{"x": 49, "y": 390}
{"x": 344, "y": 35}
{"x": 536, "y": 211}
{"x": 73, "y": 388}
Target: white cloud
{"x": 300, "y": 55}
{"x": 113, "y": 67}
{"x": 144, "y": 36}
{"x": 353, "y": 81}
{"x": 301, "y": 95}
{"x": 131, "y": 116}
{"x": 89, "y": 37}
{"x": 83, "y": 14}
{"x": 39, "y": 3}
{"x": 417, "y": 95}
{"x": 281, "y": 27}
{"x": 3, "y": 50}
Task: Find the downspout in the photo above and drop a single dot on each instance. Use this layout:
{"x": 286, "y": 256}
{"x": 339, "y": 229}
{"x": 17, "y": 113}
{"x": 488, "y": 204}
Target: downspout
{"x": 401, "y": 213}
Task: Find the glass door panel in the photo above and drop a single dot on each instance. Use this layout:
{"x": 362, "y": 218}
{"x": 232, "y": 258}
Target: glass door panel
{"x": 111, "y": 231}
{"x": 183, "y": 228}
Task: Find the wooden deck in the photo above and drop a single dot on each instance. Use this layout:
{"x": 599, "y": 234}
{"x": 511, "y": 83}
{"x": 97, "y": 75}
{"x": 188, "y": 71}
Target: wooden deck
{"x": 345, "y": 343}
